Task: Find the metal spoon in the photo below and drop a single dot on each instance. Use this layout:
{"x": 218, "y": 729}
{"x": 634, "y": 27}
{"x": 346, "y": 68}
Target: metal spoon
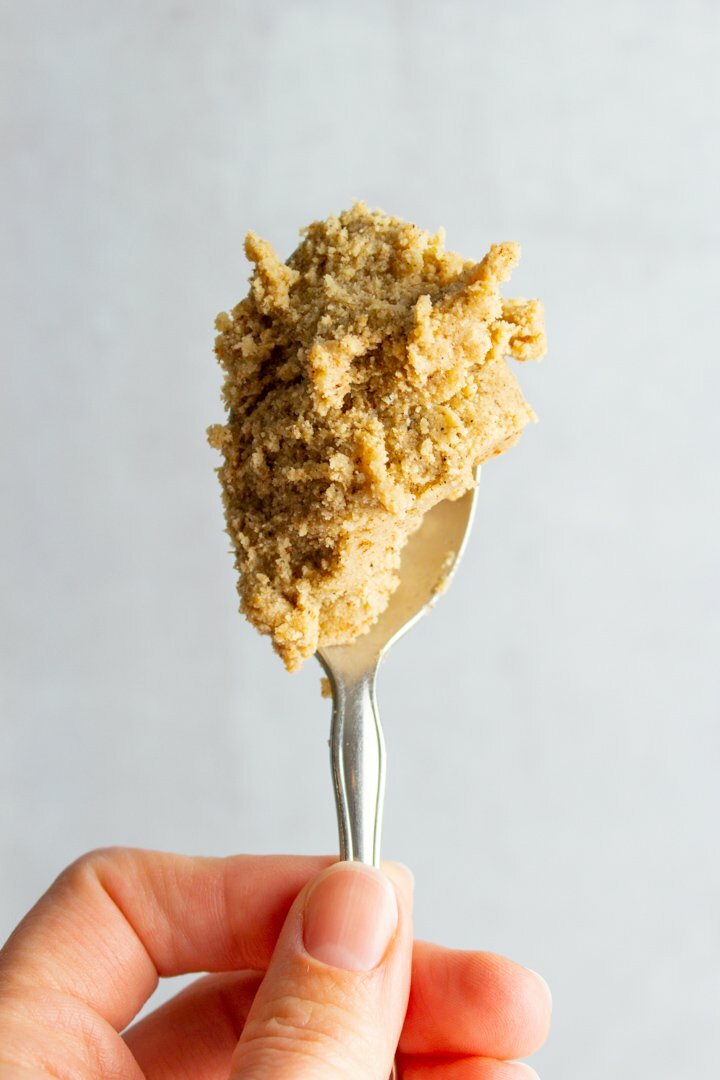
{"x": 357, "y": 745}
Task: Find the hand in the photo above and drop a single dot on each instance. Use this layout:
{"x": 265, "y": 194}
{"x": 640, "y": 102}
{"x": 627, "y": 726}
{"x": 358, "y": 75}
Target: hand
{"x": 313, "y": 964}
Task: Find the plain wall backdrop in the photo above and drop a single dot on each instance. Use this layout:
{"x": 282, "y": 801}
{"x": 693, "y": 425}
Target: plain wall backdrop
{"x": 553, "y": 726}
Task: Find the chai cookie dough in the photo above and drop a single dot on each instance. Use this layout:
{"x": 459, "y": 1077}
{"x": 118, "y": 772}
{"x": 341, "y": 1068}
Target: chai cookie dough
{"x": 365, "y": 379}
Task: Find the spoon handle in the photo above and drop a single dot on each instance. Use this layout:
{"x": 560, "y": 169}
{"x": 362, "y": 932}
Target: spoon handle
{"x": 357, "y": 752}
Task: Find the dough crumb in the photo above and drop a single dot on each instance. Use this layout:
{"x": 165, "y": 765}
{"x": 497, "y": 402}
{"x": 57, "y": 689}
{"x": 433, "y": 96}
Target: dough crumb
{"x": 365, "y": 380}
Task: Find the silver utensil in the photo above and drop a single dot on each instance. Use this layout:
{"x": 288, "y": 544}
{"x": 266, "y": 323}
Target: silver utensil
{"x": 357, "y": 745}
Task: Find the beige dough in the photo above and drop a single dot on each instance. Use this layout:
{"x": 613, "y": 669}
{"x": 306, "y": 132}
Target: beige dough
{"x": 365, "y": 379}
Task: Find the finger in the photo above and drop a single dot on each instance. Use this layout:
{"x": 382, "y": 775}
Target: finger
{"x": 467, "y": 1068}
{"x": 474, "y": 1003}
{"x": 45, "y": 1033}
{"x": 462, "y": 1003}
{"x": 193, "y": 1036}
{"x": 119, "y": 918}
{"x": 332, "y": 1002}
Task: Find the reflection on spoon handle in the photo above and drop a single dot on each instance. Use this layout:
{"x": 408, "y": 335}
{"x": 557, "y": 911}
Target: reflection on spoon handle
{"x": 357, "y": 751}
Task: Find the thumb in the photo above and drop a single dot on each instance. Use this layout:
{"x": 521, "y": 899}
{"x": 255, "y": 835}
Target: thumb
{"x": 333, "y": 1001}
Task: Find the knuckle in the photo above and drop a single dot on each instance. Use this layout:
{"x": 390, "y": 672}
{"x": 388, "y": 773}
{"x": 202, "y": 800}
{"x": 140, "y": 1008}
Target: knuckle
{"x": 289, "y": 1024}
{"x": 92, "y": 864}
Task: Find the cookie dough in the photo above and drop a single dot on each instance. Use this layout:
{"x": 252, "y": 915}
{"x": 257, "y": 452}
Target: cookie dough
{"x": 365, "y": 379}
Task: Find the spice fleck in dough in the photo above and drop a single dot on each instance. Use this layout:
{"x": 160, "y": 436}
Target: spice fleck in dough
{"x": 365, "y": 379}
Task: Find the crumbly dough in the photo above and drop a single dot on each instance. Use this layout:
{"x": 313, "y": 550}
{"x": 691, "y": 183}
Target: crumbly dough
{"x": 365, "y": 379}
{"x": 325, "y": 688}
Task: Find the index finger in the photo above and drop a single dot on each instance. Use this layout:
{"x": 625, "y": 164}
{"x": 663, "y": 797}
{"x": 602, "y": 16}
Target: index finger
{"x": 119, "y": 918}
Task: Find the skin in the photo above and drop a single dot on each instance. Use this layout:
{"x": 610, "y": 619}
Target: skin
{"x": 82, "y": 963}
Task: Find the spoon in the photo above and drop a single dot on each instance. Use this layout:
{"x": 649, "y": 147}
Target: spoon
{"x": 357, "y": 745}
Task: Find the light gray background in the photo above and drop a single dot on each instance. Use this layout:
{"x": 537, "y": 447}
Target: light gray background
{"x": 553, "y": 726}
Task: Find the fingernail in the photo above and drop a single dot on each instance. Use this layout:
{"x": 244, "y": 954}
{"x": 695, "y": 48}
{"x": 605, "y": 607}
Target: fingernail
{"x": 540, "y": 979}
{"x": 401, "y": 874}
{"x": 350, "y": 917}
{"x": 528, "y": 1073}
